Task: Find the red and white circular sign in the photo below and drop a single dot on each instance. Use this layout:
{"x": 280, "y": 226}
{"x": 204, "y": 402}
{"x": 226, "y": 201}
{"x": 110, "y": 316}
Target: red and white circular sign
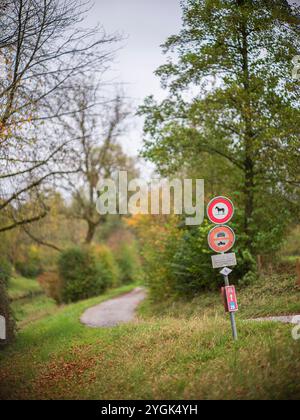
{"x": 221, "y": 239}
{"x": 220, "y": 210}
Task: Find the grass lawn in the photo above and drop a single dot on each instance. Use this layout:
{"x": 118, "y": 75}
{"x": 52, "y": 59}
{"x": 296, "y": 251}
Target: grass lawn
{"x": 190, "y": 355}
{"x": 20, "y": 288}
{"x": 29, "y": 302}
{"x": 275, "y": 295}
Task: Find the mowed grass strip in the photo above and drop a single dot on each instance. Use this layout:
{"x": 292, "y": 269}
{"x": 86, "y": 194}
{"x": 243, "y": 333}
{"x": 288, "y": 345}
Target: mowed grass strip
{"x": 29, "y": 302}
{"x": 156, "y": 358}
{"x": 271, "y": 296}
{"x": 20, "y": 287}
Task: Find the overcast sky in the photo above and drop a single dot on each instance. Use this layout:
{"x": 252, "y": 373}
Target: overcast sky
{"x": 147, "y": 24}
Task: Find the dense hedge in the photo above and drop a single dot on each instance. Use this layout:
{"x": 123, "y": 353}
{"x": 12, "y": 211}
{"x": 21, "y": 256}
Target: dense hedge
{"x": 177, "y": 259}
{"x": 107, "y": 266}
{"x": 30, "y": 265}
{"x": 28, "y": 269}
{"x": 192, "y": 266}
{"x": 81, "y": 275}
{"x": 129, "y": 264}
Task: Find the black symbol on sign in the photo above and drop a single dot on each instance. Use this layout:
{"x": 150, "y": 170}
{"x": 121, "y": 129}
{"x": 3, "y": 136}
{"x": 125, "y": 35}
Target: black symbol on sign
{"x": 221, "y": 235}
{"x": 220, "y": 210}
{"x": 221, "y": 244}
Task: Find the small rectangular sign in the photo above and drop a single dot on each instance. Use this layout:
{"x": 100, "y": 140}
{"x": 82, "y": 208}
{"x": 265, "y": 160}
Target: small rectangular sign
{"x": 2, "y": 328}
{"x": 223, "y": 293}
{"x": 231, "y": 298}
{"x": 224, "y": 260}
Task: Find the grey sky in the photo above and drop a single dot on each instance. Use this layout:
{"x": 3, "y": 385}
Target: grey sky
{"x": 146, "y": 24}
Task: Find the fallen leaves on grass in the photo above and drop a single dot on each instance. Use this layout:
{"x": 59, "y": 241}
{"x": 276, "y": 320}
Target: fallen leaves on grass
{"x": 73, "y": 368}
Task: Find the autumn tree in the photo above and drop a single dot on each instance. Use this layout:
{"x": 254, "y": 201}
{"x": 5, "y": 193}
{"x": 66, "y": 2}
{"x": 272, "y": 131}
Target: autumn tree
{"x": 232, "y": 98}
{"x": 42, "y": 50}
{"x": 99, "y": 127}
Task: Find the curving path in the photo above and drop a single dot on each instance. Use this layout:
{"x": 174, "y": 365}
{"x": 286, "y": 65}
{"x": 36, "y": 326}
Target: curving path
{"x": 113, "y": 312}
{"x": 295, "y": 319}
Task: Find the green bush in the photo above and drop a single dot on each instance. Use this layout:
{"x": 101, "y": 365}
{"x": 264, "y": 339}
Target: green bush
{"x": 80, "y": 275}
{"x": 30, "y": 265}
{"x": 107, "y": 266}
{"x": 245, "y": 273}
{"x": 191, "y": 265}
{"x": 129, "y": 263}
{"x": 28, "y": 269}
{"x": 177, "y": 260}
{"x": 5, "y": 309}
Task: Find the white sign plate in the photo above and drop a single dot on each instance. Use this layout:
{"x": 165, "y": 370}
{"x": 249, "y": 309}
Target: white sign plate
{"x": 224, "y": 260}
{"x": 226, "y": 271}
{"x": 2, "y": 328}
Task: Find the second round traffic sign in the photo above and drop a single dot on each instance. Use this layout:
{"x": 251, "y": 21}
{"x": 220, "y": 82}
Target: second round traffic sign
{"x": 220, "y": 210}
{"x": 221, "y": 239}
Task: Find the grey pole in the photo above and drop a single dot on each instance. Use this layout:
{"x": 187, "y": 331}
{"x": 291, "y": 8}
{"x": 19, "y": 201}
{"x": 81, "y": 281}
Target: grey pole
{"x": 232, "y": 315}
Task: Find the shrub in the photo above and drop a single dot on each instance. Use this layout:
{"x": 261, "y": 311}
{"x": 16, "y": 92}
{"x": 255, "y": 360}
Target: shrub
{"x": 30, "y": 266}
{"x": 177, "y": 259}
{"x": 246, "y": 273}
{"x": 158, "y": 239}
{"x": 80, "y": 275}
{"x": 5, "y": 309}
{"x": 51, "y": 283}
{"x": 107, "y": 266}
{"x": 191, "y": 265}
{"x": 27, "y": 269}
{"x": 129, "y": 263}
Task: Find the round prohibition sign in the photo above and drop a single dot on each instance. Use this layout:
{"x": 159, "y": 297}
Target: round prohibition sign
{"x": 220, "y": 210}
{"x": 221, "y": 239}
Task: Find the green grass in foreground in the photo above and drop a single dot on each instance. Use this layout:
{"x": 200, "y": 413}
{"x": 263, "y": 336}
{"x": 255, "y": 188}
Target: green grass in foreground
{"x": 32, "y": 309}
{"x": 190, "y": 357}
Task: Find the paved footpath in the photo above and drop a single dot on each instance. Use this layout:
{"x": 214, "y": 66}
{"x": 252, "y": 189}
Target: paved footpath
{"x": 122, "y": 309}
{"x": 295, "y": 319}
{"x": 115, "y": 311}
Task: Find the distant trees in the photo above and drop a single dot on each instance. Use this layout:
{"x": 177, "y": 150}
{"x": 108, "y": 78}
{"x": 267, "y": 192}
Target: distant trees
{"x": 42, "y": 49}
{"x": 232, "y": 110}
{"x": 99, "y": 126}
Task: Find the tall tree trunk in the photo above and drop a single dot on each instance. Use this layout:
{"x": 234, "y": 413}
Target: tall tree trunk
{"x": 249, "y": 192}
{"x": 249, "y": 157}
{"x": 90, "y": 233}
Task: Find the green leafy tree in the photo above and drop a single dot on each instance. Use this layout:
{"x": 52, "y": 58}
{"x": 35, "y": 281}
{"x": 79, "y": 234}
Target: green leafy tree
{"x": 232, "y": 98}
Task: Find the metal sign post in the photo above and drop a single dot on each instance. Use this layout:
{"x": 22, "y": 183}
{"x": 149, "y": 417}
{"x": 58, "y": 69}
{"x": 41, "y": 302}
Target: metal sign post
{"x": 221, "y": 239}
